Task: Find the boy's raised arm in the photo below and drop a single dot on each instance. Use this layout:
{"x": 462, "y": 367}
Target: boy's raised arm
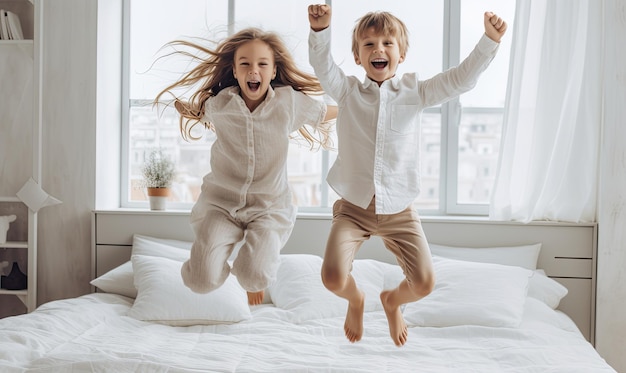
{"x": 495, "y": 26}
{"x": 319, "y": 16}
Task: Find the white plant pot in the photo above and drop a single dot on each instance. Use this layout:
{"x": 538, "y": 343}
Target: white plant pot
{"x": 157, "y": 202}
{"x": 158, "y": 198}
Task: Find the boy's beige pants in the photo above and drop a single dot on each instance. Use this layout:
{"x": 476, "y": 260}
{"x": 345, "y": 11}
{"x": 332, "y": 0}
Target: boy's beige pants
{"x": 401, "y": 233}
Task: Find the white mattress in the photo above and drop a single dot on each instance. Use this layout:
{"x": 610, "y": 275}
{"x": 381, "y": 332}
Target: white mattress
{"x": 93, "y": 333}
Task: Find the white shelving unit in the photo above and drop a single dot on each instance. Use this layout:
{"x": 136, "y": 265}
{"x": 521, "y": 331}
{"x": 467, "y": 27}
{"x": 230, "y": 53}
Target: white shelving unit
{"x": 29, "y": 14}
{"x": 25, "y": 241}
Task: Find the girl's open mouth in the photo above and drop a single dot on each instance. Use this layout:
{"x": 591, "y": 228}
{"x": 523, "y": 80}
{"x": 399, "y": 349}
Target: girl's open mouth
{"x": 254, "y": 85}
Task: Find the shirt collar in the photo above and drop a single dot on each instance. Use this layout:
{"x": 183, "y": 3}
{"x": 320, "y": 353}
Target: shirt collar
{"x": 394, "y": 81}
{"x": 270, "y": 93}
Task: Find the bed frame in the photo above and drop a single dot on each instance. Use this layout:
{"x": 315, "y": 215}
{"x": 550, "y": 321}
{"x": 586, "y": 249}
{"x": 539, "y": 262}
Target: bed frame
{"x": 568, "y": 252}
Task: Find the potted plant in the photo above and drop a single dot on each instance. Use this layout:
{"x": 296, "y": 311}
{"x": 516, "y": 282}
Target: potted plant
{"x": 158, "y": 174}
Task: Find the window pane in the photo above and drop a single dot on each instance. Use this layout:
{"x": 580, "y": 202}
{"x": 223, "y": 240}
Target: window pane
{"x": 481, "y": 119}
{"x": 155, "y": 23}
{"x": 152, "y": 25}
{"x": 148, "y": 131}
{"x": 490, "y": 90}
{"x": 479, "y": 146}
{"x": 430, "y": 151}
{"x": 307, "y": 177}
{"x": 148, "y": 75}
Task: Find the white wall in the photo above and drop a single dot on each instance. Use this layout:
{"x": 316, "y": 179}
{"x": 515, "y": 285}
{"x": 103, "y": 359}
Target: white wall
{"x": 69, "y": 142}
{"x": 611, "y": 294}
{"x": 69, "y": 166}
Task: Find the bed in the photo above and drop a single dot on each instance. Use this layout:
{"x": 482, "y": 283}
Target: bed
{"x": 497, "y": 307}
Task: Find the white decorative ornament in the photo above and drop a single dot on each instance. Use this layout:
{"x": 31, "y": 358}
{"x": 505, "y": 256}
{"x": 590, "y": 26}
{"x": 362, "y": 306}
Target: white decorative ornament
{"x": 4, "y": 226}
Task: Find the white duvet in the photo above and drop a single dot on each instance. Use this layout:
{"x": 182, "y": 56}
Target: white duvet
{"x": 93, "y": 333}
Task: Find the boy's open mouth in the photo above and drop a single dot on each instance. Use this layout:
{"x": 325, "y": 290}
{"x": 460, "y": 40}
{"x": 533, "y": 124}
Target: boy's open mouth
{"x": 254, "y": 85}
{"x": 379, "y": 63}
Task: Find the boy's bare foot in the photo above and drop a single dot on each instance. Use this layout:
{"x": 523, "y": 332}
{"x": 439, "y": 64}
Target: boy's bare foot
{"x": 397, "y": 327}
{"x": 353, "y": 327}
{"x": 255, "y": 298}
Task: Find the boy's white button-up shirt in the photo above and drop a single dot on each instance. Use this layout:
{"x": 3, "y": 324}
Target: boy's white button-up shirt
{"x": 378, "y": 128}
{"x": 249, "y": 156}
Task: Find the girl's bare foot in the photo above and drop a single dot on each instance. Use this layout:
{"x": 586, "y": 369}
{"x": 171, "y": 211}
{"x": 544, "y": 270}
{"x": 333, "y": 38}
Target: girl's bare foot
{"x": 397, "y": 327}
{"x": 255, "y": 298}
{"x": 353, "y": 327}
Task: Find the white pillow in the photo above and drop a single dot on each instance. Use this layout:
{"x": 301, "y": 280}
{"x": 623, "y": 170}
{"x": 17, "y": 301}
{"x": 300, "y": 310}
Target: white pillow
{"x": 162, "y": 296}
{"x": 298, "y": 287}
{"x": 470, "y": 293}
{"x": 119, "y": 280}
{"x": 524, "y": 256}
{"x": 546, "y": 289}
{"x": 172, "y": 249}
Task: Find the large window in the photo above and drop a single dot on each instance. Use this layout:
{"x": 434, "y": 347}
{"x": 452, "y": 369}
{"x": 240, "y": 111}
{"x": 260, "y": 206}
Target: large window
{"x": 459, "y": 140}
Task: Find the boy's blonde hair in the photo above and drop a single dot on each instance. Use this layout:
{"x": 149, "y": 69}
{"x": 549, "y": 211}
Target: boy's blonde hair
{"x": 383, "y": 23}
{"x": 214, "y": 72}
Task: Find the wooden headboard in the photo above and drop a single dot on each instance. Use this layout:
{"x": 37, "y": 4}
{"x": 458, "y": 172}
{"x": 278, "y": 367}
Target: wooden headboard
{"x": 568, "y": 251}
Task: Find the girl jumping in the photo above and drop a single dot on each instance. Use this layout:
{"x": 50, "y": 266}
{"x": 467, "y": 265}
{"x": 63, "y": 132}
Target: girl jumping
{"x": 250, "y": 92}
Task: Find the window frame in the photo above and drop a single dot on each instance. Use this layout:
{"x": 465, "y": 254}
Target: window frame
{"x": 450, "y": 112}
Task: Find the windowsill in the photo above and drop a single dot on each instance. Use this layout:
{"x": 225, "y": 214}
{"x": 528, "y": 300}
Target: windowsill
{"x": 458, "y": 219}
{"x": 328, "y": 216}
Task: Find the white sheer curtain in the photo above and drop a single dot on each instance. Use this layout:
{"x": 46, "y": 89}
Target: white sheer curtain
{"x": 553, "y": 113}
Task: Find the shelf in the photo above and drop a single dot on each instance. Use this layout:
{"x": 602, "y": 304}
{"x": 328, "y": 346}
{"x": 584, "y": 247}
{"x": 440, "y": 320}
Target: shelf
{"x": 14, "y": 245}
{"x": 14, "y": 292}
{"x": 28, "y": 42}
{"x": 21, "y": 294}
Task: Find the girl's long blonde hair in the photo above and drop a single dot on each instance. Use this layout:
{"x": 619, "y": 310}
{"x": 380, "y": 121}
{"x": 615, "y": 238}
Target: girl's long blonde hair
{"x": 214, "y": 72}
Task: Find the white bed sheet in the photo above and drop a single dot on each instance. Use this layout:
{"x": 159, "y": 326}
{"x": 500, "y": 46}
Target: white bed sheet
{"x": 93, "y": 334}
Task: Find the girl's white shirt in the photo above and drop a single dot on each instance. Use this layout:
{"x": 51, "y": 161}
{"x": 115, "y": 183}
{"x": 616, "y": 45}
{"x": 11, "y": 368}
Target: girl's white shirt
{"x": 378, "y": 128}
{"x": 249, "y": 156}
